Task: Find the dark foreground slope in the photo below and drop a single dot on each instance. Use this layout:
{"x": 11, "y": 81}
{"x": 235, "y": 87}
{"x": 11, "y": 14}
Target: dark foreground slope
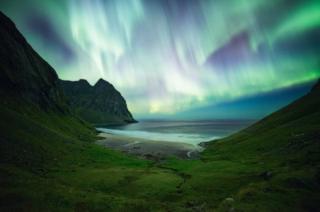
{"x": 98, "y": 104}
{"x": 32, "y": 106}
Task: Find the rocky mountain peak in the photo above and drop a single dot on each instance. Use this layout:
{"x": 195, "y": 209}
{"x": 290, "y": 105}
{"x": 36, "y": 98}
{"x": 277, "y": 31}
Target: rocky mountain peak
{"x": 103, "y": 84}
{"x": 83, "y": 82}
{"x": 99, "y": 104}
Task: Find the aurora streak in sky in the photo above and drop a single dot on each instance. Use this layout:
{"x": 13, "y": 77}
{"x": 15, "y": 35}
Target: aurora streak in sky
{"x": 166, "y": 57}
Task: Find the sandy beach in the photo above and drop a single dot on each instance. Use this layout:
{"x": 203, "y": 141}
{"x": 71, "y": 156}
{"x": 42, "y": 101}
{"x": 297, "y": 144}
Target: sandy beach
{"x": 148, "y": 149}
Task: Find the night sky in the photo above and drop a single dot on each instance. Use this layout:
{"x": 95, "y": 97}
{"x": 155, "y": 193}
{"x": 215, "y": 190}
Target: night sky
{"x": 181, "y": 58}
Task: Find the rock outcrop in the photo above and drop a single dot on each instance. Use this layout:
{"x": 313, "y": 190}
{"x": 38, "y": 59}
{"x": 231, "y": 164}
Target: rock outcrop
{"x": 98, "y": 104}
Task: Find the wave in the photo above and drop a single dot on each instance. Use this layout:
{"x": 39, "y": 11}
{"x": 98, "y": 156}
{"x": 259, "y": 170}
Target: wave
{"x": 193, "y": 139}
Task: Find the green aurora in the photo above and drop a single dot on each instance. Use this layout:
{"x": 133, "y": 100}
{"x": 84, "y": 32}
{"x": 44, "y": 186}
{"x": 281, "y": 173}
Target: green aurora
{"x": 166, "y": 57}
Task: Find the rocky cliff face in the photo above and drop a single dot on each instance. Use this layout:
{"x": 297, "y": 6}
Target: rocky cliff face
{"x": 99, "y": 104}
{"x": 24, "y": 75}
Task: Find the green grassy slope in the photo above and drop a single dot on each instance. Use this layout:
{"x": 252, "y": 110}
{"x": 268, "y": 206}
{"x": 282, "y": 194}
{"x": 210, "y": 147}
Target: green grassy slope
{"x": 49, "y": 163}
{"x": 273, "y": 165}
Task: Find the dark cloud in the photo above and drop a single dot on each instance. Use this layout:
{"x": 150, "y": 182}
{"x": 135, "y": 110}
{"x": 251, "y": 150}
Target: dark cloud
{"x": 235, "y": 52}
{"x": 302, "y": 44}
{"x": 267, "y": 18}
{"x": 42, "y": 27}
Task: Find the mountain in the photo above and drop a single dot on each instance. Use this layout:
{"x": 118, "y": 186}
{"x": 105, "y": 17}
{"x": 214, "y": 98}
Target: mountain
{"x": 98, "y": 104}
{"x": 25, "y": 76}
{"x": 32, "y": 105}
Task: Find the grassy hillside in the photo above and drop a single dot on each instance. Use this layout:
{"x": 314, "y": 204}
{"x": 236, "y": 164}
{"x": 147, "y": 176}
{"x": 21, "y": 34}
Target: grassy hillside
{"x": 40, "y": 151}
{"x": 273, "y": 165}
{"x": 50, "y": 163}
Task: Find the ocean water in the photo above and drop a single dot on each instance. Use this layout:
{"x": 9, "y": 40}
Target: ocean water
{"x": 191, "y": 132}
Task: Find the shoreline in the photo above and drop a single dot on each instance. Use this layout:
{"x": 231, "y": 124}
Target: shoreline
{"x": 149, "y": 149}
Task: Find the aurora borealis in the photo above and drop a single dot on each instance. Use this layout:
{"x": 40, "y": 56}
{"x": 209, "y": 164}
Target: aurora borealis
{"x": 166, "y": 57}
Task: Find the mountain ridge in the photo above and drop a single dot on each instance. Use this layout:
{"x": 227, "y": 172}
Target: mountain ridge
{"x": 100, "y": 103}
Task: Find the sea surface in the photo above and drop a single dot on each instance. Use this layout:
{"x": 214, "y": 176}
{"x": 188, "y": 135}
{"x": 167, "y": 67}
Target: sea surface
{"x": 191, "y": 132}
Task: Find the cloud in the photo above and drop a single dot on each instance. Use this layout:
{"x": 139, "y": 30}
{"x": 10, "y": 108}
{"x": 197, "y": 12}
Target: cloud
{"x": 42, "y": 28}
